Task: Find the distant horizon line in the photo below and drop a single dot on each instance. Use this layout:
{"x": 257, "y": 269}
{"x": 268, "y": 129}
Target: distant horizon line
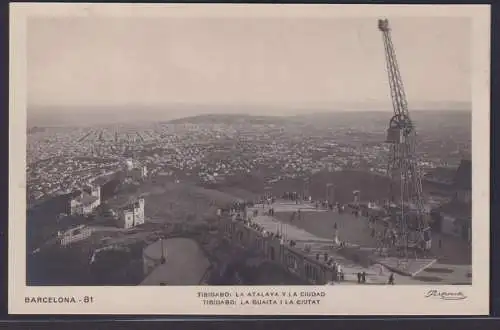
{"x": 106, "y": 119}
{"x": 172, "y": 117}
{"x": 169, "y": 109}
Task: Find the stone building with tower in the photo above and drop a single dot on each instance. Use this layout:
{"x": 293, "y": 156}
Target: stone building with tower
{"x": 132, "y": 214}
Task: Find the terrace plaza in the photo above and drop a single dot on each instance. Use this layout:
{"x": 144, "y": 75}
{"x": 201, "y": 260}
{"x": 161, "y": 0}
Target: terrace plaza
{"x": 311, "y": 242}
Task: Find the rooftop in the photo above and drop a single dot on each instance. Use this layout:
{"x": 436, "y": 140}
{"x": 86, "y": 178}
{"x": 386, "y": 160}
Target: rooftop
{"x": 132, "y": 206}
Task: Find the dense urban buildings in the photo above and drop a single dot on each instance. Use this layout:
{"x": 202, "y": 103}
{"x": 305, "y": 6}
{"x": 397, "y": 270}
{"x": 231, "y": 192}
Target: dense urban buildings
{"x": 88, "y": 200}
{"x": 110, "y": 192}
{"x": 216, "y": 152}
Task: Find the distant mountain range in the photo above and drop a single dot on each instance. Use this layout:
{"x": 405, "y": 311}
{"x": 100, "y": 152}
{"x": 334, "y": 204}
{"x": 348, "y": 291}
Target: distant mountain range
{"x": 71, "y": 116}
{"x": 229, "y": 119}
{"x": 323, "y": 118}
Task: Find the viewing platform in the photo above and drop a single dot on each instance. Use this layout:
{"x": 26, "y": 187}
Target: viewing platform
{"x": 311, "y": 257}
{"x": 324, "y": 238}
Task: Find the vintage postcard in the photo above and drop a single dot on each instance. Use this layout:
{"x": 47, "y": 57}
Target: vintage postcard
{"x": 249, "y": 159}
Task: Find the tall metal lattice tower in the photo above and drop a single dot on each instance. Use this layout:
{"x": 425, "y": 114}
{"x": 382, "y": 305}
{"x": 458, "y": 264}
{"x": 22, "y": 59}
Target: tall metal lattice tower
{"x": 413, "y": 230}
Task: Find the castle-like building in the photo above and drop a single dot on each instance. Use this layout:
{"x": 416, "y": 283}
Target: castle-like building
{"x": 131, "y": 215}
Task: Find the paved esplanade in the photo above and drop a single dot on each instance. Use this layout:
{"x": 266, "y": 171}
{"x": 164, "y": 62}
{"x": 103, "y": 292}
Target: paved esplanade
{"x": 453, "y": 264}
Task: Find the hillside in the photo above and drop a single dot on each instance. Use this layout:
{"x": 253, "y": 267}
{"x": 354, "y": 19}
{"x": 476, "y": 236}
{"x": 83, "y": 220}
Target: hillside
{"x": 428, "y": 122}
{"x": 171, "y": 202}
{"x": 229, "y": 119}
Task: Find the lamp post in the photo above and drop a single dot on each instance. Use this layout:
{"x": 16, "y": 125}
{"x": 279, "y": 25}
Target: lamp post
{"x": 163, "y": 260}
{"x": 335, "y": 234}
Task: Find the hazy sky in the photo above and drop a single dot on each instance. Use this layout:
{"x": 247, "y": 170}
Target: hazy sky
{"x": 261, "y": 62}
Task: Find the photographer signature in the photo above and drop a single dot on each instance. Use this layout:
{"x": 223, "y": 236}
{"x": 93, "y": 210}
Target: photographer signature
{"x": 446, "y": 295}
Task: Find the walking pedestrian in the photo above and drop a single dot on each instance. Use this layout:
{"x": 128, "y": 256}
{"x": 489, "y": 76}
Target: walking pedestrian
{"x": 359, "y": 277}
{"x": 391, "y": 279}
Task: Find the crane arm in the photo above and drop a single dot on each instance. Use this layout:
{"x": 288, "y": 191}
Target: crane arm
{"x": 401, "y": 117}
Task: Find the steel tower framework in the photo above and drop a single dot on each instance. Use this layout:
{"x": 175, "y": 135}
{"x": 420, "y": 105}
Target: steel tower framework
{"x": 402, "y": 165}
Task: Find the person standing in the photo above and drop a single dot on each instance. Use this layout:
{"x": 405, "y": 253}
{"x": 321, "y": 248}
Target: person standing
{"x": 335, "y": 274}
{"x": 339, "y": 271}
{"x": 391, "y": 279}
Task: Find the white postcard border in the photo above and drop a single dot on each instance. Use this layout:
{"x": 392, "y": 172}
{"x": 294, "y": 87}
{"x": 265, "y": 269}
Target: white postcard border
{"x": 339, "y": 300}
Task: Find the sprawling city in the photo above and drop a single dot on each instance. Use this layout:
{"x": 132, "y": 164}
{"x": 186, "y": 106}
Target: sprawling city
{"x": 99, "y": 198}
{"x": 340, "y": 196}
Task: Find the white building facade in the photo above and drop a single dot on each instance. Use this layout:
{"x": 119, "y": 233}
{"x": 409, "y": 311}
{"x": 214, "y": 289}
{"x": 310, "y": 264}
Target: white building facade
{"x": 132, "y": 215}
{"x": 74, "y": 235}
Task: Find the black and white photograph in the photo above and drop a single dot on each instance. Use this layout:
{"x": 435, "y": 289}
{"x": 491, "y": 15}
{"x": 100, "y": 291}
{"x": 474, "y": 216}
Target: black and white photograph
{"x": 273, "y": 150}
